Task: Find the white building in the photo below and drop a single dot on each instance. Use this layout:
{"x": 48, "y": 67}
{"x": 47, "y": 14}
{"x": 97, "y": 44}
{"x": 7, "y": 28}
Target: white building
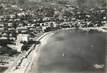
{"x": 21, "y": 38}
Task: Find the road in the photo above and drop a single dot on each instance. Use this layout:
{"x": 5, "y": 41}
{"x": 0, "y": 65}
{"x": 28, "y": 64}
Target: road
{"x": 70, "y": 51}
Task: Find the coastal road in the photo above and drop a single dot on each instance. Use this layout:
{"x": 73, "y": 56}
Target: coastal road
{"x": 70, "y": 51}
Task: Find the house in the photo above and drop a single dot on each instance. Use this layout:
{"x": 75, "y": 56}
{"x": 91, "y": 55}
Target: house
{"x": 21, "y": 29}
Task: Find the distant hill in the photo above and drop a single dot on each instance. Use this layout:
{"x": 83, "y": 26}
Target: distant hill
{"x": 80, "y": 3}
{"x": 15, "y": 1}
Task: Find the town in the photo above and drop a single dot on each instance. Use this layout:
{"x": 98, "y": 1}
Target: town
{"x": 20, "y": 25}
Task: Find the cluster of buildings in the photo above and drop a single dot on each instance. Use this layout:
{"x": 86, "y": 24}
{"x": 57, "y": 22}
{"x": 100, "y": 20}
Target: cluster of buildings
{"x": 43, "y": 19}
{"x": 18, "y": 24}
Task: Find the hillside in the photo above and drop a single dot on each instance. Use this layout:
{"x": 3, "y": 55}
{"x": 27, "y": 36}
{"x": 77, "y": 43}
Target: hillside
{"x": 77, "y": 3}
{"x": 80, "y": 3}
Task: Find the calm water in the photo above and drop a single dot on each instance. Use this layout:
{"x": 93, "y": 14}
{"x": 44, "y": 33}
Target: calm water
{"x": 71, "y": 51}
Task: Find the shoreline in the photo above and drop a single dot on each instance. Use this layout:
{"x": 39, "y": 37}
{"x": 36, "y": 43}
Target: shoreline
{"x": 88, "y": 29}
